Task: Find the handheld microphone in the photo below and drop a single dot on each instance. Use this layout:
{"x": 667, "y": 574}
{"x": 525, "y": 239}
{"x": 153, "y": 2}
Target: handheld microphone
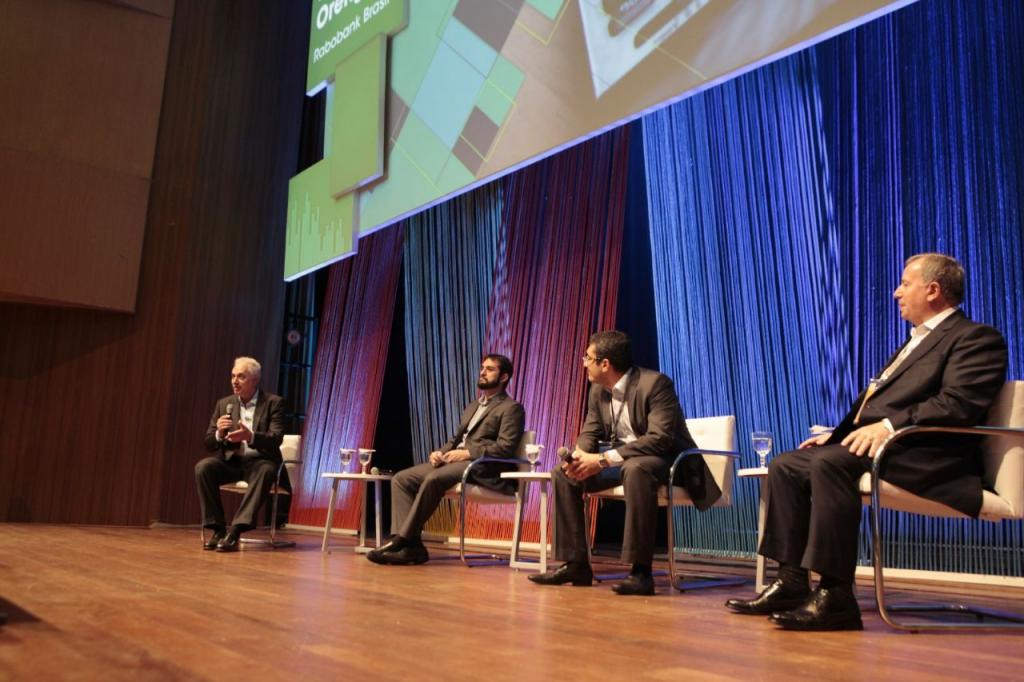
{"x": 231, "y": 411}
{"x": 564, "y": 454}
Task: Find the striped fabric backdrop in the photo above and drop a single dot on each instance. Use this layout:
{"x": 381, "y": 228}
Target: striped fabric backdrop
{"x": 538, "y": 257}
{"x": 782, "y": 206}
{"x": 348, "y": 373}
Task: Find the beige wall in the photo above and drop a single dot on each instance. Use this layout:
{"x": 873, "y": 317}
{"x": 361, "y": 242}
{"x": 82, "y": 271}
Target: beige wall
{"x": 80, "y": 93}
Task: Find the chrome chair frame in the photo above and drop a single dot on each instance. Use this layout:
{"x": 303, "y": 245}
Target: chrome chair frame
{"x": 673, "y": 572}
{"x": 517, "y": 499}
{"x": 1004, "y": 620}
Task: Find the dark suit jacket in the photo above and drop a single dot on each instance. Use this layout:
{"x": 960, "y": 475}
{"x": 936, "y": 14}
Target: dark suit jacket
{"x": 497, "y": 434}
{"x": 268, "y": 426}
{"x": 950, "y": 379}
{"x": 658, "y": 423}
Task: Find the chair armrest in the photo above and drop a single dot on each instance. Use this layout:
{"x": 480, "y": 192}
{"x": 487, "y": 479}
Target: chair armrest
{"x": 484, "y": 460}
{"x": 883, "y": 449}
{"x": 697, "y": 451}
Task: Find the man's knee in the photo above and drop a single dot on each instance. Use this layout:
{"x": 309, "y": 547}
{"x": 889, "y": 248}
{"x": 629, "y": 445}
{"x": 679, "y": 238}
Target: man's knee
{"x": 205, "y": 466}
{"x": 636, "y": 472}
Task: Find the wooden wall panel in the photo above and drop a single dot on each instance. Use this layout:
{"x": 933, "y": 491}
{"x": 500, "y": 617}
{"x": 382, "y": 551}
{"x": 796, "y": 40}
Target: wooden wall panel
{"x": 105, "y": 413}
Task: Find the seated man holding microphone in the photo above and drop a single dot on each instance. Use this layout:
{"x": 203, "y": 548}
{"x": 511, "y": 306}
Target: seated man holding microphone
{"x": 245, "y": 433}
{"x": 633, "y": 430}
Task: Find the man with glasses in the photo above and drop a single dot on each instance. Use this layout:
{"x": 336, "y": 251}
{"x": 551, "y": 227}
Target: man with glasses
{"x": 633, "y": 430}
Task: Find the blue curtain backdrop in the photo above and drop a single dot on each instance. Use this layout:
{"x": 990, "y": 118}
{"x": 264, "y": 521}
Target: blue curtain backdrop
{"x": 782, "y": 206}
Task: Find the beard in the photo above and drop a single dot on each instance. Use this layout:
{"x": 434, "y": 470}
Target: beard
{"x": 488, "y": 385}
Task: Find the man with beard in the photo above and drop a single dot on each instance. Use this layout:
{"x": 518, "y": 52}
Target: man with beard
{"x": 491, "y": 426}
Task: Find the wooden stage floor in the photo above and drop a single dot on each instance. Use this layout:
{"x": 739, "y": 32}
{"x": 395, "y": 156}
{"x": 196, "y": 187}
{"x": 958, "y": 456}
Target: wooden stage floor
{"x": 102, "y": 603}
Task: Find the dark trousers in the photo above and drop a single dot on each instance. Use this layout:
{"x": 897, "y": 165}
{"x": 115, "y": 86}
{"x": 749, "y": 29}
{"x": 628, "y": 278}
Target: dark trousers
{"x": 640, "y": 477}
{"x": 417, "y": 491}
{"x": 213, "y": 472}
{"x": 814, "y": 510}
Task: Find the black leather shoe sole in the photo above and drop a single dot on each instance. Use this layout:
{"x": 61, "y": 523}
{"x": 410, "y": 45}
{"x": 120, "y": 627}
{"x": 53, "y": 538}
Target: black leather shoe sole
{"x": 830, "y": 622}
{"x": 404, "y": 557}
{"x": 749, "y": 607}
{"x": 635, "y": 587}
{"x": 553, "y": 578}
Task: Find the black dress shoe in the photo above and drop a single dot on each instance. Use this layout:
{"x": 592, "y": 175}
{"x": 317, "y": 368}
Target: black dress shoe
{"x": 396, "y": 543}
{"x": 577, "y": 573}
{"x": 635, "y": 583}
{"x": 825, "y": 609}
{"x": 218, "y": 535}
{"x": 230, "y": 541}
{"x": 775, "y": 597}
{"x": 404, "y": 556}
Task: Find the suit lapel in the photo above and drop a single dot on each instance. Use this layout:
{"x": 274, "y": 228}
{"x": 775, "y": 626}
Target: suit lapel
{"x": 470, "y": 412}
{"x": 261, "y": 407}
{"x": 929, "y": 342}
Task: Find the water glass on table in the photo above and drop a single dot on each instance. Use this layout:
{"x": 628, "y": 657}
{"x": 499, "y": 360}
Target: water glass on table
{"x": 365, "y": 454}
{"x": 762, "y": 446}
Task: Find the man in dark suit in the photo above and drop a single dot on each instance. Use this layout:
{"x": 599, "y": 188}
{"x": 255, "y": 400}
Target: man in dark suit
{"x": 245, "y": 432}
{"x": 633, "y": 430}
{"x": 491, "y": 426}
{"x": 948, "y": 373}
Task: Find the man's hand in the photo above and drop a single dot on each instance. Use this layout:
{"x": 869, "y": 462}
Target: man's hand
{"x": 815, "y": 441}
{"x": 436, "y": 458}
{"x": 867, "y": 439}
{"x": 455, "y": 456}
{"x": 223, "y": 424}
{"x": 582, "y": 465}
{"x": 240, "y": 435}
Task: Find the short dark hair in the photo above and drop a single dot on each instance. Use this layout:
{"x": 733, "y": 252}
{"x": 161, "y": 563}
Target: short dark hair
{"x": 504, "y": 364}
{"x": 944, "y": 271}
{"x": 614, "y": 346}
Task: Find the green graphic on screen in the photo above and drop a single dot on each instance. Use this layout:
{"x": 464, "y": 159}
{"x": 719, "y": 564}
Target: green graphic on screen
{"x": 429, "y": 98}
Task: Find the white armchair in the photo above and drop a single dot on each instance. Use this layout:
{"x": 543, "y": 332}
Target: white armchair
{"x": 1004, "y": 475}
{"x": 716, "y": 441}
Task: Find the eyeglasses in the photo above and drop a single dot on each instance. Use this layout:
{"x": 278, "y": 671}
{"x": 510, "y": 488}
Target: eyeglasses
{"x": 587, "y": 359}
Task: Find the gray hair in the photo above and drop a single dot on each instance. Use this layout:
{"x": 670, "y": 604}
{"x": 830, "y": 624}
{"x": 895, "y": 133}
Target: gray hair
{"x": 943, "y": 270}
{"x": 252, "y": 364}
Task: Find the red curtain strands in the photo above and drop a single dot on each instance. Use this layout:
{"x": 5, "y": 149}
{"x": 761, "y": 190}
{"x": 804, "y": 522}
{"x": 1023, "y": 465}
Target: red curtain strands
{"x": 348, "y": 373}
{"x": 556, "y": 282}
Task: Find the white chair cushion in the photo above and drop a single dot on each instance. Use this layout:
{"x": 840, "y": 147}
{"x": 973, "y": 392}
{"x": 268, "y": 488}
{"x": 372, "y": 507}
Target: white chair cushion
{"x": 680, "y": 498}
{"x": 993, "y": 507}
{"x": 479, "y": 494}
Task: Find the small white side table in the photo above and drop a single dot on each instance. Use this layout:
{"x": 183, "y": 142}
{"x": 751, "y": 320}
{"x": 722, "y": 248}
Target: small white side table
{"x": 761, "y": 474}
{"x": 542, "y": 479}
{"x": 336, "y": 478}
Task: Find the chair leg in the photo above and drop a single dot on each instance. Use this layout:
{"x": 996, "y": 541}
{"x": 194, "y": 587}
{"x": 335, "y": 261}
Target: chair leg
{"x": 999, "y": 620}
{"x": 675, "y": 578}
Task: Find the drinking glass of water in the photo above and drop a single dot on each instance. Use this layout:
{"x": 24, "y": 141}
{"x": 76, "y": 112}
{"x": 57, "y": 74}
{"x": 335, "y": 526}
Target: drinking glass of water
{"x": 346, "y": 457}
{"x": 533, "y": 454}
{"x": 365, "y": 454}
{"x": 762, "y": 445}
